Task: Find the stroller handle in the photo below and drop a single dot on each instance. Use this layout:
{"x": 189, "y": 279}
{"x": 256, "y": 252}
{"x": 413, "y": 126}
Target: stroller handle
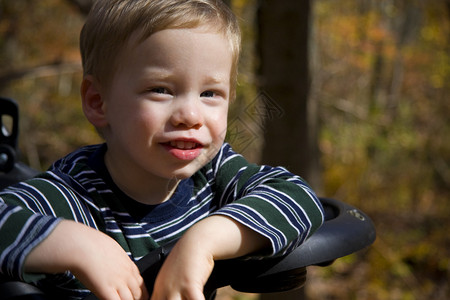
{"x": 346, "y": 230}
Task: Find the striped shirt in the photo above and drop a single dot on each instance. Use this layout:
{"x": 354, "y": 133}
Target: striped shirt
{"x": 269, "y": 200}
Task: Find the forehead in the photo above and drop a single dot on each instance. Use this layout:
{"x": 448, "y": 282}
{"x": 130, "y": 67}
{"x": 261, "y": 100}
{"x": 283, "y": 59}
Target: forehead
{"x": 141, "y": 34}
{"x": 175, "y": 49}
{"x": 178, "y": 40}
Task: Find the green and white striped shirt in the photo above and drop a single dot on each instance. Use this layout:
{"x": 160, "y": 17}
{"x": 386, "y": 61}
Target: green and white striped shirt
{"x": 269, "y": 200}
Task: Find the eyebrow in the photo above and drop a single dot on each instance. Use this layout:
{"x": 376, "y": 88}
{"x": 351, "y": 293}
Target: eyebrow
{"x": 217, "y": 79}
{"x": 159, "y": 73}
{"x": 162, "y": 74}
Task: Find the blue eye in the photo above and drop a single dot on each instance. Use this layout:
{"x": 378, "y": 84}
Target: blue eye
{"x": 159, "y": 90}
{"x": 207, "y": 94}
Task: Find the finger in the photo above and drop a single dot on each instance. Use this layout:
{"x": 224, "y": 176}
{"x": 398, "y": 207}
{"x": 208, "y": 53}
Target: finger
{"x": 138, "y": 289}
{"x": 125, "y": 294}
{"x": 195, "y": 295}
{"x": 168, "y": 297}
{"x": 104, "y": 292}
{"x": 144, "y": 295}
{"x": 137, "y": 285}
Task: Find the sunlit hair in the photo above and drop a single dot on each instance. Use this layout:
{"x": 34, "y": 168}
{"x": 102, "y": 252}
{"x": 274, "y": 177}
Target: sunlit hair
{"x": 110, "y": 24}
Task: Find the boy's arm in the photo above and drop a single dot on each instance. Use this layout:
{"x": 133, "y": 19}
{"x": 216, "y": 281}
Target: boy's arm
{"x": 262, "y": 208}
{"x": 192, "y": 259}
{"x": 270, "y": 200}
{"x": 88, "y": 254}
{"x": 34, "y": 243}
{"x": 20, "y": 231}
{"x": 34, "y": 240}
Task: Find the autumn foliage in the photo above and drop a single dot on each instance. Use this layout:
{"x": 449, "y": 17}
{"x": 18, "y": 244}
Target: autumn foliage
{"x": 380, "y": 75}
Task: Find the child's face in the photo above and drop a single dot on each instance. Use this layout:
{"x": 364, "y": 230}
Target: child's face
{"x": 167, "y": 104}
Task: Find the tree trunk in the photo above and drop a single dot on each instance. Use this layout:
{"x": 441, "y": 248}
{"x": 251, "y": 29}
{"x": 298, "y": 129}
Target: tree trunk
{"x": 84, "y": 6}
{"x": 290, "y": 134}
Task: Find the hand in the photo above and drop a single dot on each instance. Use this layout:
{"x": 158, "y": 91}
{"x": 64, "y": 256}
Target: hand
{"x": 93, "y": 257}
{"x": 190, "y": 263}
{"x": 184, "y": 273}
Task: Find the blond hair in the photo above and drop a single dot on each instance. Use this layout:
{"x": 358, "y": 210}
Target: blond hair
{"x": 110, "y": 24}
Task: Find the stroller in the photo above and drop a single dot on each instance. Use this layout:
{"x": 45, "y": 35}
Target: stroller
{"x": 346, "y": 230}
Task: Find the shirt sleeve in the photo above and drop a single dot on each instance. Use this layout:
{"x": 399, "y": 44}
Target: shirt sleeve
{"x": 21, "y": 230}
{"x": 27, "y": 217}
{"x": 270, "y": 200}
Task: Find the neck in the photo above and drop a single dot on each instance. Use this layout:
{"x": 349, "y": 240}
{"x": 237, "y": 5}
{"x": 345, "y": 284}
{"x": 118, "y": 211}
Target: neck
{"x": 152, "y": 192}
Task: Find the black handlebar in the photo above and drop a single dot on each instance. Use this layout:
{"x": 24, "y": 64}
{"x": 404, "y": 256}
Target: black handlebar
{"x": 9, "y": 111}
{"x": 345, "y": 230}
{"x": 11, "y": 171}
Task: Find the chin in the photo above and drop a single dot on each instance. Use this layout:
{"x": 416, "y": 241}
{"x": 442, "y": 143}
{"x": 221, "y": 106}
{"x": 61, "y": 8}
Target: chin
{"x": 185, "y": 172}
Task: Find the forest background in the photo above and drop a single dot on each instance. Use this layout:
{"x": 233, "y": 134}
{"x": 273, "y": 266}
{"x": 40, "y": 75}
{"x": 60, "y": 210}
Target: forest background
{"x": 379, "y": 79}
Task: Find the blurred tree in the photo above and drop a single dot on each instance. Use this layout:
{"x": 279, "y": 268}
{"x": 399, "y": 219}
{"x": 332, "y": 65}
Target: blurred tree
{"x": 381, "y": 76}
{"x": 83, "y": 5}
{"x": 289, "y": 117}
{"x": 40, "y": 68}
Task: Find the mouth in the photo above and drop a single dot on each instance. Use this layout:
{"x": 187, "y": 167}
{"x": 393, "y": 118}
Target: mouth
{"x": 185, "y": 150}
{"x": 184, "y": 145}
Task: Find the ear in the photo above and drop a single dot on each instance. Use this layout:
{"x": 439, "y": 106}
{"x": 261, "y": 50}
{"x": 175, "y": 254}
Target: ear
{"x": 94, "y": 106}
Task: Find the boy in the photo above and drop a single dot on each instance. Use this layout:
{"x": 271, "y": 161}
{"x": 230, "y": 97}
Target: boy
{"x": 158, "y": 79}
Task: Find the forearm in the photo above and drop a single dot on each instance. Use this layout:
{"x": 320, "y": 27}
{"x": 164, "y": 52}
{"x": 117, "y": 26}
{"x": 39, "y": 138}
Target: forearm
{"x": 270, "y": 200}
{"x": 60, "y": 251}
{"x": 94, "y": 258}
{"x": 192, "y": 259}
{"x": 225, "y": 238}
{"x": 20, "y": 231}
{"x": 285, "y": 211}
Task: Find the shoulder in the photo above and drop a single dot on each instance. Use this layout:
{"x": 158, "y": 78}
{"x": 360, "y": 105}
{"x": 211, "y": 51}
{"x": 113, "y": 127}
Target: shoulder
{"x": 78, "y": 158}
{"x": 226, "y": 159}
{"x": 59, "y": 184}
{"x": 227, "y": 167}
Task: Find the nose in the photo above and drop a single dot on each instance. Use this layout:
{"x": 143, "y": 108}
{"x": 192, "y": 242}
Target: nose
{"x": 188, "y": 112}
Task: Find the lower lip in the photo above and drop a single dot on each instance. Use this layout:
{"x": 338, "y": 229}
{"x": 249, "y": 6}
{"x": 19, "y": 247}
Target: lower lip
{"x": 184, "y": 154}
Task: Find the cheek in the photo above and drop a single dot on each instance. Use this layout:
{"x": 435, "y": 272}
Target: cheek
{"x": 139, "y": 121}
{"x": 148, "y": 121}
{"x": 218, "y": 126}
